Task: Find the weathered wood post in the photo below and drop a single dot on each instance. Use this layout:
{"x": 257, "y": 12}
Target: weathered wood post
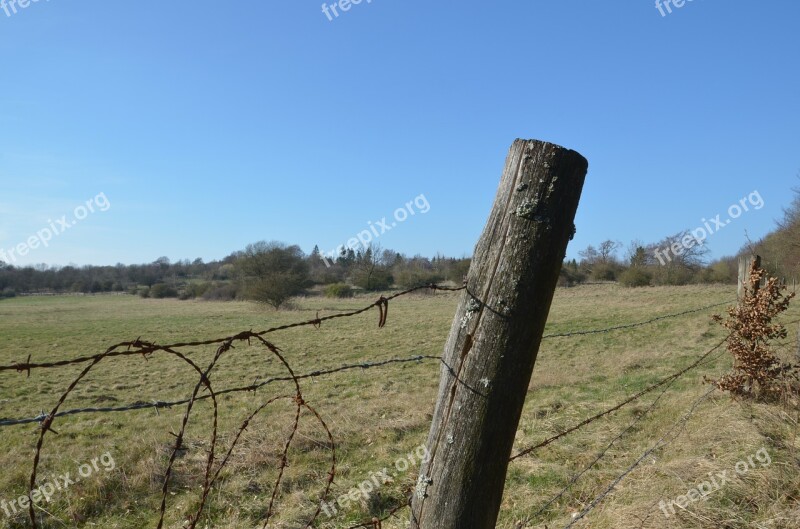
{"x": 745, "y": 264}
{"x": 744, "y": 275}
{"x": 492, "y": 347}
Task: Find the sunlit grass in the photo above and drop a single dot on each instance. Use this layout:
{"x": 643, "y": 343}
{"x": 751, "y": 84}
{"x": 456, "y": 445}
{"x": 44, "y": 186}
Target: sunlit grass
{"x": 379, "y": 415}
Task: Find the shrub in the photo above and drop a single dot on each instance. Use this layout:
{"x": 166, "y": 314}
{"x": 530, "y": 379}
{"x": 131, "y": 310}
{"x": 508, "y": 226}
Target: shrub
{"x": 162, "y": 290}
{"x": 570, "y": 276}
{"x": 8, "y": 292}
{"x": 195, "y": 290}
{"x": 757, "y": 371}
{"x": 672, "y": 274}
{"x": 378, "y": 279}
{"x": 220, "y": 292}
{"x": 144, "y": 292}
{"x": 338, "y": 290}
{"x": 605, "y": 272}
{"x": 271, "y": 272}
{"x": 635, "y": 276}
{"x": 408, "y": 277}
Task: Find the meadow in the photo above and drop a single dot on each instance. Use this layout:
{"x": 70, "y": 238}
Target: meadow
{"x": 379, "y": 417}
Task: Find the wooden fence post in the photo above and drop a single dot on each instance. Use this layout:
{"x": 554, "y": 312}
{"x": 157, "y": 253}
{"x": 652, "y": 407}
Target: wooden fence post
{"x": 744, "y": 275}
{"x": 491, "y": 351}
{"x": 745, "y": 263}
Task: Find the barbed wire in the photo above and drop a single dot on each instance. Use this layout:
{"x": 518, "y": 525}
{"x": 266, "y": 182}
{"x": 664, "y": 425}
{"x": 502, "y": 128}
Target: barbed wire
{"x": 214, "y": 465}
{"x": 680, "y": 425}
{"x": 144, "y": 348}
{"x": 203, "y": 390}
{"x": 634, "y": 325}
{"x": 601, "y": 455}
{"x": 158, "y": 404}
{"x": 664, "y": 381}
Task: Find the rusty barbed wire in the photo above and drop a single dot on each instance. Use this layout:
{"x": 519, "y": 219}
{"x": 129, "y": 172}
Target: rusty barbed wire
{"x": 382, "y": 304}
{"x": 159, "y": 404}
{"x": 214, "y": 465}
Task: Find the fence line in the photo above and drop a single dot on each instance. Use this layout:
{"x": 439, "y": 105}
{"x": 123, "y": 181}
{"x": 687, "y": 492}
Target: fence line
{"x": 146, "y": 348}
{"x": 203, "y": 390}
{"x": 601, "y": 455}
{"x": 664, "y": 381}
{"x": 662, "y": 442}
{"x": 157, "y": 404}
{"x": 633, "y": 325}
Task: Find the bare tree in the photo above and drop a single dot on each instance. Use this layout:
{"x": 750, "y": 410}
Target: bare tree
{"x": 589, "y": 256}
{"x": 369, "y": 271}
{"x": 681, "y": 249}
{"x": 607, "y": 250}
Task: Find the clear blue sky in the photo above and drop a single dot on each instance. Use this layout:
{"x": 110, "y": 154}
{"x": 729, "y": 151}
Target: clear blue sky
{"x": 210, "y": 125}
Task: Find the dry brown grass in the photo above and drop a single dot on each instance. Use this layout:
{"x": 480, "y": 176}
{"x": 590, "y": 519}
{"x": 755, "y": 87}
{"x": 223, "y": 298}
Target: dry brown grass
{"x": 377, "y": 416}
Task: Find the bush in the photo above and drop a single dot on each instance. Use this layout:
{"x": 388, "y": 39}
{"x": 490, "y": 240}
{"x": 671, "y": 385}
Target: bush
{"x": 673, "y": 275}
{"x": 635, "y": 277}
{"x": 378, "y": 279}
{"x": 570, "y": 276}
{"x": 338, "y": 290}
{"x": 605, "y": 272}
{"x": 162, "y": 290}
{"x": 8, "y": 292}
{"x": 195, "y": 290}
{"x": 409, "y": 277}
{"x": 271, "y": 272}
{"x": 720, "y": 272}
{"x": 144, "y": 292}
{"x": 757, "y": 371}
{"x": 220, "y": 292}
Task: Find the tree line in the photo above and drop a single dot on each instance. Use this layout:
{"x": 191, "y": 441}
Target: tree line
{"x": 273, "y": 272}
{"x": 675, "y": 260}
{"x": 269, "y": 272}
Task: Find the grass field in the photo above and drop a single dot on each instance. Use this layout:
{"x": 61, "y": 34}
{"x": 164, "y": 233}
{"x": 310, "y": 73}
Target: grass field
{"x": 378, "y": 416}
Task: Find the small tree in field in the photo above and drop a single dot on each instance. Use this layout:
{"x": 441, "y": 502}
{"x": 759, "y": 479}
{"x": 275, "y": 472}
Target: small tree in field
{"x": 271, "y": 272}
{"x": 757, "y": 372}
{"x": 368, "y": 271}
